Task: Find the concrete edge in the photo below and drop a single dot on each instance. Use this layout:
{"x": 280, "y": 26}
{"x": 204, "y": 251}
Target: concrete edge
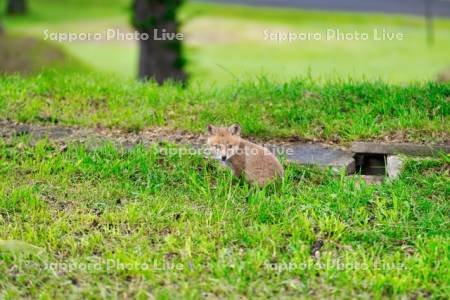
{"x": 399, "y": 148}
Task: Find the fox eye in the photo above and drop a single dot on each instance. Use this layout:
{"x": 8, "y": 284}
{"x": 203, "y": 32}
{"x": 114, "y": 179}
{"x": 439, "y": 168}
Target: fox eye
{"x": 230, "y": 146}
{"x": 217, "y": 147}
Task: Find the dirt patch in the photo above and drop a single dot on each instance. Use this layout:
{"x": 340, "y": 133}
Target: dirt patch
{"x": 97, "y": 136}
{"x": 100, "y": 135}
{"x": 26, "y": 55}
{"x": 444, "y": 77}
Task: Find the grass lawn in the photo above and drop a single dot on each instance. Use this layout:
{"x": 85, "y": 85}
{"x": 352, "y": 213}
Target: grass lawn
{"x": 225, "y": 42}
{"x": 340, "y": 111}
{"x": 163, "y": 223}
{"x": 108, "y": 224}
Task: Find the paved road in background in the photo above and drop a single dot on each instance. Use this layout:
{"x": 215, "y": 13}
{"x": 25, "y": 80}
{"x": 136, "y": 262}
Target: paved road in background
{"x": 441, "y": 8}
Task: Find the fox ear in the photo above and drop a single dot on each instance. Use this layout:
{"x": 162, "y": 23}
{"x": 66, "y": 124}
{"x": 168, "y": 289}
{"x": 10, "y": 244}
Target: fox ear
{"x": 212, "y": 129}
{"x": 235, "y": 129}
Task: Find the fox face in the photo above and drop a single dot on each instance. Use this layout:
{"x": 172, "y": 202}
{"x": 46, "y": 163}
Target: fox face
{"x": 224, "y": 142}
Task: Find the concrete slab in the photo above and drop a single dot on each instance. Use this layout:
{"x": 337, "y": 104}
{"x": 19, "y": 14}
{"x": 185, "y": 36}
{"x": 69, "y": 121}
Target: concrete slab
{"x": 394, "y": 165}
{"x": 399, "y": 148}
{"x": 320, "y": 155}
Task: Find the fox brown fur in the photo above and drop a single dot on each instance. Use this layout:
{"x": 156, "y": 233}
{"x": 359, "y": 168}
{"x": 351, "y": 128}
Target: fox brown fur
{"x": 256, "y": 163}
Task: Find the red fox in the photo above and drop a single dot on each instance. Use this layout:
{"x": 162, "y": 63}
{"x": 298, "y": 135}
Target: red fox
{"x": 256, "y": 163}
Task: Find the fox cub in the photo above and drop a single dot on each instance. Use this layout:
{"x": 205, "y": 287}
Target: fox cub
{"x": 256, "y": 163}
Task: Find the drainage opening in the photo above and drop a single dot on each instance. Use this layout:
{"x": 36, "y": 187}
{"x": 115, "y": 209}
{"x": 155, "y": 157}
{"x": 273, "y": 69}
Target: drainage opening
{"x": 370, "y": 164}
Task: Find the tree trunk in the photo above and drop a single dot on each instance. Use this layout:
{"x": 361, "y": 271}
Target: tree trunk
{"x": 16, "y": 7}
{"x": 159, "y": 59}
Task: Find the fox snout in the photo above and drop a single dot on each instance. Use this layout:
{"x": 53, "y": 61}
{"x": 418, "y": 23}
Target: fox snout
{"x": 222, "y": 152}
{"x": 224, "y": 142}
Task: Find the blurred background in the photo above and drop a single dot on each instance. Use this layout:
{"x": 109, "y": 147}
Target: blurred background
{"x": 228, "y": 40}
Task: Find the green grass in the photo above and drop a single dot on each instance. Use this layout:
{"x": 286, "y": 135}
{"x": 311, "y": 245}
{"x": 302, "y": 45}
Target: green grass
{"x": 340, "y": 111}
{"x": 108, "y": 223}
{"x": 224, "y": 41}
{"x": 237, "y": 45}
{"x": 54, "y": 11}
